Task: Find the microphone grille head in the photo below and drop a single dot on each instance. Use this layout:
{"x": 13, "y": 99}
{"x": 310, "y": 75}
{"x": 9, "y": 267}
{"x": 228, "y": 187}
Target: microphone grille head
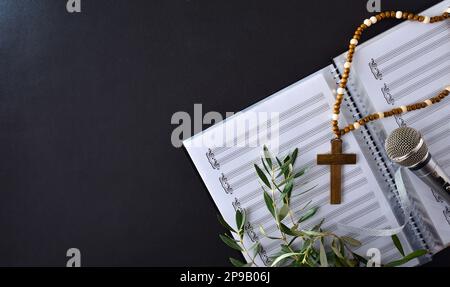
{"x": 406, "y": 147}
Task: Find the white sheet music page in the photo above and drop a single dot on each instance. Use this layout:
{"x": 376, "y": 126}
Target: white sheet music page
{"x": 301, "y": 114}
{"x": 411, "y": 63}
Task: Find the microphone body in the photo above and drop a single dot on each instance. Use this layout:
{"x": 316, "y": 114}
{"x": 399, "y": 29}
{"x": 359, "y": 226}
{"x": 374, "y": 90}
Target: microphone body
{"x": 432, "y": 175}
{"x": 406, "y": 147}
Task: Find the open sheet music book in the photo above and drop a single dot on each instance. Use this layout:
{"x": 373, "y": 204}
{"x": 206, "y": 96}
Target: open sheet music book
{"x": 408, "y": 63}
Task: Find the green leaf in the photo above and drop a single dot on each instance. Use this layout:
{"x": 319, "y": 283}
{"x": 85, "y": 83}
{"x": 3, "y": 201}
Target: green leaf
{"x": 323, "y": 255}
{"x": 264, "y": 165}
{"x": 398, "y": 244}
{"x": 224, "y": 223}
{"x": 337, "y": 252}
{"x": 301, "y": 172}
{"x": 313, "y": 233}
{"x": 269, "y": 204}
{"x": 360, "y": 258}
{"x": 240, "y": 219}
{"x": 286, "y": 168}
{"x": 288, "y": 187}
{"x": 230, "y": 242}
{"x": 284, "y": 210}
{"x": 351, "y": 241}
{"x": 279, "y": 162}
{"x": 285, "y": 249}
{"x": 263, "y": 232}
{"x": 283, "y": 257}
{"x": 262, "y": 176}
{"x": 335, "y": 247}
{"x": 237, "y": 263}
{"x": 307, "y": 215}
{"x": 351, "y": 262}
{"x": 287, "y": 230}
{"x": 407, "y": 258}
{"x": 268, "y": 157}
{"x": 287, "y": 191}
{"x": 294, "y": 155}
{"x": 292, "y": 240}
{"x": 256, "y": 250}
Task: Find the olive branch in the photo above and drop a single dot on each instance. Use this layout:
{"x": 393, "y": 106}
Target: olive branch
{"x": 298, "y": 247}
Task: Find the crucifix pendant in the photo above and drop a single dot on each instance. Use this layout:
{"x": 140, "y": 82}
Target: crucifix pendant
{"x": 336, "y": 159}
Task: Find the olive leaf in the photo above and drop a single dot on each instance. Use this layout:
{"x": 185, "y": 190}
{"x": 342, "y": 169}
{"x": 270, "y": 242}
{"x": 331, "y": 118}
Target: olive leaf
{"x": 264, "y": 165}
{"x": 407, "y": 258}
{"x": 313, "y": 233}
{"x": 287, "y": 230}
{"x": 301, "y": 172}
{"x": 268, "y": 156}
{"x": 294, "y": 155}
{"x": 351, "y": 241}
{"x": 224, "y": 223}
{"x": 262, "y": 176}
{"x": 230, "y": 242}
{"x": 307, "y": 215}
{"x": 236, "y": 262}
{"x": 287, "y": 191}
{"x": 284, "y": 210}
{"x": 269, "y": 203}
{"x": 323, "y": 255}
{"x": 240, "y": 219}
{"x": 360, "y": 258}
{"x": 335, "y": 249}
{"x": 398, "y": 244}
{"x": 283, "y": 257}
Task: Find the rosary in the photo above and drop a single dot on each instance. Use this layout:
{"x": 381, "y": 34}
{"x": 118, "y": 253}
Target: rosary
{"x": 336, "y": 159}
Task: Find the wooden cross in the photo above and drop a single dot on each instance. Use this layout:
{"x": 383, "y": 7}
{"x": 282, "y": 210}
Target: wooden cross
{"x": 336, "y": 159}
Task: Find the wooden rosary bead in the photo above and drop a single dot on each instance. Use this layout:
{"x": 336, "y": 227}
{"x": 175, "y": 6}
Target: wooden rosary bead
{"x": 400, "y": 15}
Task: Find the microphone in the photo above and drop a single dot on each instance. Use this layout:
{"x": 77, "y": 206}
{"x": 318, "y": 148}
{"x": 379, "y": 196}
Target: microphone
{"x": 406, "y": 147}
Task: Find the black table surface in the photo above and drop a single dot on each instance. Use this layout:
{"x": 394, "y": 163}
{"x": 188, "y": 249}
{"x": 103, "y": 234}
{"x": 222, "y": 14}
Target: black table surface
{"x": 86, "y": 101}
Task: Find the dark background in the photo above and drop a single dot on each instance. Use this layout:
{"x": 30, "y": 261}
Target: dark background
{"x": 86, "y": 101}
